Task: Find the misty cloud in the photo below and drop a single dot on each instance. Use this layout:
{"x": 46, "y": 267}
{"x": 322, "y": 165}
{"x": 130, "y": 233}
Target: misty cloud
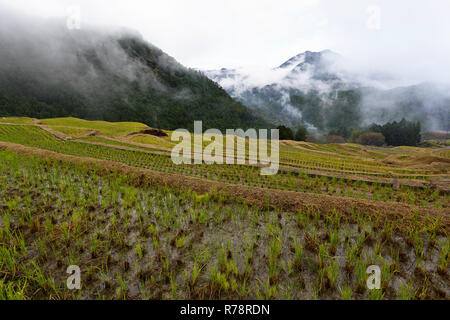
{"x": 46, "y": 48}
{"x": 405, "y": 47}
{"x": 411, "y": 41}
{"x": 320, "y": 77}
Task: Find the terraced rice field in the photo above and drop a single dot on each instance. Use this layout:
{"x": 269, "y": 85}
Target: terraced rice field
{"x": 142, "y": 227}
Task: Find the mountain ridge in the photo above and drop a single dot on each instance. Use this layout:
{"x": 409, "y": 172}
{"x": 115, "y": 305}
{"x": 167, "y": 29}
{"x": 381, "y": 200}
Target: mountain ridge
{"x": 105, "y": 74}
{"x": 315, "y": 85}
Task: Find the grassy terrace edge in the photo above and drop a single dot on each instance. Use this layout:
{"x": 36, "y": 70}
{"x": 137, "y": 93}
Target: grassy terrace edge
{"x": 139, "y": 234}
{"x": 289, "y": 179}
{"x": 401, "y": 215}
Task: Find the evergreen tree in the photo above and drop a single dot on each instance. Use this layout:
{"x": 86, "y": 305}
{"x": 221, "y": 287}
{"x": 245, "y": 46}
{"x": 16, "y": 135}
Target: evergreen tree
{"x": 301, "y": 134}
{"x": 286, "y": 133}
{"x": 403, "y": 133}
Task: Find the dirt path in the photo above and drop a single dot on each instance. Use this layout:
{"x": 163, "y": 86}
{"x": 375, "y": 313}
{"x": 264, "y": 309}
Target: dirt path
{"x": 58, "y": 135}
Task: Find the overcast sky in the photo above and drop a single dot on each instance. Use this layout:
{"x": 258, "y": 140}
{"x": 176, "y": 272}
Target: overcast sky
{"x": 410, "y": 36}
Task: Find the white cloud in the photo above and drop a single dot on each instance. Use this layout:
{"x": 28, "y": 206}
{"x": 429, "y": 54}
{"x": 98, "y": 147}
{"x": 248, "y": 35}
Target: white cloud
{"x": 410, "y": 39}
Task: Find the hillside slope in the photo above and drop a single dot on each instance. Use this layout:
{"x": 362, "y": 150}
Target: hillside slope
{"x": 319, "y": 90}
{"x": 48, "y": 71}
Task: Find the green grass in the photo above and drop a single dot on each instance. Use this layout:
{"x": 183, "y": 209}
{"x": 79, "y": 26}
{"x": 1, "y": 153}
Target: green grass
{"x": 235, "y": 174}
{"x": 137, "y": 240}
{"x": 116, "y": 143}
{"x": 161, "y": 142}
{"x": 73, "y": 132}
{"x": 107, "y": 128}
{"x": 151, "y": 242}
{"x": 16, "y": 120}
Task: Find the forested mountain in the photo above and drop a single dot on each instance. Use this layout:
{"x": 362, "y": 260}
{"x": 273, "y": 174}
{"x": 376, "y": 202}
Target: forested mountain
{"x": 315, "y": 89}
{"x": 47, "y": 70}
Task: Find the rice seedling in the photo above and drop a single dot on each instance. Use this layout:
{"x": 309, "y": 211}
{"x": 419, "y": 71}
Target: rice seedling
{"x": 126, "y": 232}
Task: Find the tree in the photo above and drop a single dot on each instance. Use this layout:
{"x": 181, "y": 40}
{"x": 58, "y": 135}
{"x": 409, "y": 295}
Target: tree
{"x": 444, "y": 116}
{"x": 164, "y": 95}
{"x": 344, "y": 115}
{"x": 403, "y": 133}
{"x": 371, "y": 139}
{"x": 335, "y": 139}
{"x": 355, "y": 135}
{"x": 301, "y": 134}
{"x": 312, "y": 108}
{"x": 286, "y": 133}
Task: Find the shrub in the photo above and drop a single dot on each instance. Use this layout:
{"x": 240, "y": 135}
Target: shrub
{"x": 355, "y": 135}
{"x": 335, "y": 139}
{"x": 403, "y": 133}
{"x": 372, "y": 139}
{"x": 301, "y": 134}
{"x": 312, "y": 139}
{"x": 286, "y": 133}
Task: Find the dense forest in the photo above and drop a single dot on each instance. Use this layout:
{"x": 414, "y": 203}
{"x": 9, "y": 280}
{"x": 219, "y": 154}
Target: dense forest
{"x": 342, "y": 116}
{"x": 112, "y": 76}
{"x": 403, "y": 133}
{"x": 48, "y": 71}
